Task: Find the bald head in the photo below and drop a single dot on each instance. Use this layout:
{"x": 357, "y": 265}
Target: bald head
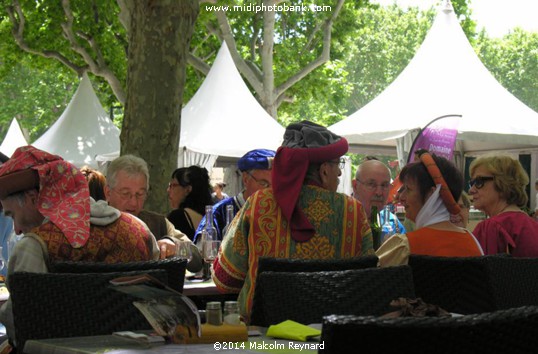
{"x": 372, "y": 184}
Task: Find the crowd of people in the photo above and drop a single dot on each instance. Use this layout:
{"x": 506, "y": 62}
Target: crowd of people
{"x": 289, "y": 207}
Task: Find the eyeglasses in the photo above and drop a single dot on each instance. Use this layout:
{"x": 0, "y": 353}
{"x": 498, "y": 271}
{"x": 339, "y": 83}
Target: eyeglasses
{"x": 372, "y": 186}
{"x": 341, "y": 163}
{"x": 261, "y": 182}
{"x": 173, "y": 185}
{"x": 479, "y": 181}
{"x": 128, "y": 195}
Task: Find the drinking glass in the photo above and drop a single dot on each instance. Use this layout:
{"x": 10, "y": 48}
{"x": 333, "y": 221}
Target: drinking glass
{"x": 184, "y": 250}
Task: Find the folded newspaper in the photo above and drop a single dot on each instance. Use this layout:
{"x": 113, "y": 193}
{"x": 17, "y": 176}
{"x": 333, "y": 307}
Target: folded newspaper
{"x": 169, "y": 312}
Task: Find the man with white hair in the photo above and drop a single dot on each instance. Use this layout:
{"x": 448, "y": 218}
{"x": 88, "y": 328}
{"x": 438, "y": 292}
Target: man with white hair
{"x": 127, "y": 185}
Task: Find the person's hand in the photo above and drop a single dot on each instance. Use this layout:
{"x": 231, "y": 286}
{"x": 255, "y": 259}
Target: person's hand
{"x": 167, "y": 247}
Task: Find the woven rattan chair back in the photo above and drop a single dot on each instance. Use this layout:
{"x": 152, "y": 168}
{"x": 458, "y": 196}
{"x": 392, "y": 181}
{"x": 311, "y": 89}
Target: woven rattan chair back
{"x": 306, "y": 297}
{"x": 56, "y": 305}
{"x": 514, "y": 281}
{"x": 174, "y": 267}
{"x": 503, "y": 331}
{"x": 456, "y": 284}
{"x": 314, "y": 265}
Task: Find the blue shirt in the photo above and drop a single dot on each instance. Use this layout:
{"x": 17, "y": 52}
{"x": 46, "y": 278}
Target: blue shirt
{"x": 6, "y": 229}
{"x": 219, "y": 215}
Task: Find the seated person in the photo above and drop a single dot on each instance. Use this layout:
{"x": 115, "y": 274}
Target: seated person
{"x": 189, "y": 191}
{"x": 301, "y": 216}
{"x": 49, "y": 201}
{"x": 255, "y": 168}
{"x": 431, "y": 188}
{"x": 218, "y": 192}
{"x": 498, "y": 188}
{"x": 126, "y": 190}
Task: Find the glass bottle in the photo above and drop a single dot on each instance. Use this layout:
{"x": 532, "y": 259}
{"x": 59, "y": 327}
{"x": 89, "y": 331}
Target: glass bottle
{"x": 209, "y": 234}
{"x": 229, "y": 217}
{"x": 386, "y": 230}
{"x": 375, "y": 227}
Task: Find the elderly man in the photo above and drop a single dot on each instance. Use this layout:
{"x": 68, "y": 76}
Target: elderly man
{"x": 255, "y": 167}
{"x": 371, "y": 187}
{"x": 49, "y": 201}
{"x": 301, "y": 216}
{"x": 127, "y": 184}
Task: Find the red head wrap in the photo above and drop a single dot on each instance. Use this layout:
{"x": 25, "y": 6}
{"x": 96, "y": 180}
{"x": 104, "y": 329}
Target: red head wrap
{"x": 64, "y": 197}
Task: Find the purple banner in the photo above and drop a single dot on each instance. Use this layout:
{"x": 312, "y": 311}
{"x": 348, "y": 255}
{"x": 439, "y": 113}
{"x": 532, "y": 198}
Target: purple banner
{"x": 438, "y": 137}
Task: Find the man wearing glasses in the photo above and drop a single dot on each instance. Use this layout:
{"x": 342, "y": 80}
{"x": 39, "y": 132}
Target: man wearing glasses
{"x": 127, "y": 184}
{"x": 255, "y": 168}
{"x": 300, "y": 216}
{"x": 371, "y": 187}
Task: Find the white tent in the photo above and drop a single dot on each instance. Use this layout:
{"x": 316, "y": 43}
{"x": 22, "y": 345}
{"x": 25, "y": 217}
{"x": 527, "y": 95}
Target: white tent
{"x": 223, "y": 118}
{"x": 14, "y": 138}
{"x": 83, "y": 131}
{"x": 445, "y": 77}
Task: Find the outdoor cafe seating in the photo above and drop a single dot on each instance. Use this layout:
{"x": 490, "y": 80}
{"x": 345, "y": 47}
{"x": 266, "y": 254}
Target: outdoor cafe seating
{"x": 484, "y": 294}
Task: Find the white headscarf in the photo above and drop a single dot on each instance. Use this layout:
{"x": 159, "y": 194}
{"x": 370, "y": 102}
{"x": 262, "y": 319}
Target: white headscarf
{"x": 433, "y": 211}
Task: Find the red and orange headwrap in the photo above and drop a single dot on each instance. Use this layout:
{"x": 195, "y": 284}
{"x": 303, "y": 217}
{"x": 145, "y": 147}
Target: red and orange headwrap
{"x": 64, "y": 197}
{"x": 448, "y": 200}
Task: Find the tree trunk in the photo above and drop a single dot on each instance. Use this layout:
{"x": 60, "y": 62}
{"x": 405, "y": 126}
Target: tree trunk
{"x": 159, "y": 36}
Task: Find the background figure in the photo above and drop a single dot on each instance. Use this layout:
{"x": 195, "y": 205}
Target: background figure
{"x": 189, "y": 191}
{"x": 300, "y": 216}
{"x": 126, "y": 189}
{"x": 462, "y": 218}
{"x": 255, "y": 167}
{"x": 218, "y": 192}
{"x": 371, "y": 187}
{"x": 96, "y": 182}
{"x": 498, "y": 188}
{"x": 431, "y": 188}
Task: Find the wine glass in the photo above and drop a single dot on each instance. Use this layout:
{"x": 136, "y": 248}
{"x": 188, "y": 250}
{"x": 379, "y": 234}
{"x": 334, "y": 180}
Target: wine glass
{"x": 184, "y": 250}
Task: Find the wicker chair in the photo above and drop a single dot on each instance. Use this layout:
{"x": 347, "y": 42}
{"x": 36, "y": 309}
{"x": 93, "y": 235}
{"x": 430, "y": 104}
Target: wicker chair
{"x": 174, "y": 267}
{"x": 457, "y": 284}
{"x": 475, "y": 284}
{"x": 514, "y": 281}
{"x": 503, "y": 331}
{"x": 56, "y": 305}
{"x": 314, "y": 265}
{"x": 306, "y": 297}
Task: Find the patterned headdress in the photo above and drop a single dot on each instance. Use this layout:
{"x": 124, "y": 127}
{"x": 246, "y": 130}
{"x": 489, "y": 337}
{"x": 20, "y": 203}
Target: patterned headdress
{"x": 304, "y": 143}
{"x": 63, "y": 198}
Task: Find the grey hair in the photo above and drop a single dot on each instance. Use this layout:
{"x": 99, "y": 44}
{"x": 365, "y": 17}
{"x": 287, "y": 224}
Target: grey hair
{"x": 18, "y": 196}
{"x": 312, "y": 173}
{"x": 132, "y": 165}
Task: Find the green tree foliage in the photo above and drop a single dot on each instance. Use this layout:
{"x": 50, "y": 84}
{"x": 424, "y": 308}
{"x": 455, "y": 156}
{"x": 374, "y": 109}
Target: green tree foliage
{"x": 513, "y": 60}
{"x": 35, "y": 97}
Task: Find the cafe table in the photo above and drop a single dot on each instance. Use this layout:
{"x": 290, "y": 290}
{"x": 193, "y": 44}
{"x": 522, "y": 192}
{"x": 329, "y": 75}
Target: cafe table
{"x": 110, "y": 344}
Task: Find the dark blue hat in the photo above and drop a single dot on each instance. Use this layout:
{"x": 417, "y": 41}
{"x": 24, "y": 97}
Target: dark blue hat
{"x": 260, "y": 159}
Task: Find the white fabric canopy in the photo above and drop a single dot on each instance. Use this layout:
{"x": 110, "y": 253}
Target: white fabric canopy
{"x": 444, "y": 77}
{"x": 223, "y": 117}
{"x": 14, "y": 138}
{"x": 83, "y": 131}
